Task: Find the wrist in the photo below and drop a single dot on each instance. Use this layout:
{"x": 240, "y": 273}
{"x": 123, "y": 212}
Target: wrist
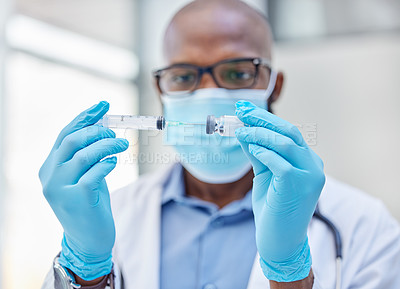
{"x": 294, "y": 269}
{"x": 80, "y": 281}
{"x": 306, "y": 283}
{"x": 64, "y": 278}
{"x": 99, "y": 283}
{"x": 86, "y": 267}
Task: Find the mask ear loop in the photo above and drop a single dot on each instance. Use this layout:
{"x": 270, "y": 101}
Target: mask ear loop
{"x": 271, "y": 84}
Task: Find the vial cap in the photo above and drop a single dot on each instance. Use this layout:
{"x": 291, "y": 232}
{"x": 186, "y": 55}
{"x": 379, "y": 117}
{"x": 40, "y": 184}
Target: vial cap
{"x": 210, "y": 125}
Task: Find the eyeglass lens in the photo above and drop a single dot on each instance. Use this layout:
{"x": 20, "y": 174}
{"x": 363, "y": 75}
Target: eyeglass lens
{"x": 230, "y": 75}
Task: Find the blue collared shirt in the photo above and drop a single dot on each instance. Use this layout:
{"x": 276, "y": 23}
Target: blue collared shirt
{"x": 202, "y": 246}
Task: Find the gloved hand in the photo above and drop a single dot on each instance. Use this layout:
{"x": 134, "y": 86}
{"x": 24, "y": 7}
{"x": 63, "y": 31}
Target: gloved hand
{"x": 288, "y": 179}
{"x": 73, "y": 183}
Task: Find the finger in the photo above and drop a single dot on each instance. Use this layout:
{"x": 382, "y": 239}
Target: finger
{"x": 274, "y": 141}
{"x": 255, "y": 116}
{"x": 85, "y": 118}
{"x": 317, "y": 159}
{"x": 258, "y": 167}
{"x": 262, "y": 175}
{"x": 81, "y": 139}
{"x": 90, "y": 155}
{"x": 94, "y": 176}
{"x": 277, "y": 164}
{"x": 259, "y": 197}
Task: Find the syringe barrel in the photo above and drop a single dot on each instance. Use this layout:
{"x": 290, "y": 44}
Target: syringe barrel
{"x": 224, "y": 125}
{"x": 133, "y": 122}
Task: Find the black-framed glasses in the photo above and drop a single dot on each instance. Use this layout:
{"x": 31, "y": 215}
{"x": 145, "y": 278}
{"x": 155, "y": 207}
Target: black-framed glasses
{"x": 238, "y": 73}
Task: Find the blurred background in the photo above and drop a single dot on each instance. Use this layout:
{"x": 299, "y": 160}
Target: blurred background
{"x": 341, "y": 60}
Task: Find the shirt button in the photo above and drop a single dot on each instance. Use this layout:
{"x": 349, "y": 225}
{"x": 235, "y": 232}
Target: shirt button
{"x": 218, "y": 223}
{"x": 210, "y": 286}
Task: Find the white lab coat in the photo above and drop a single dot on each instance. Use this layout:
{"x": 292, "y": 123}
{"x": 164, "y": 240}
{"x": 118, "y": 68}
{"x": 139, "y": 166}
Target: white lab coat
{"x": 371, "y": 238}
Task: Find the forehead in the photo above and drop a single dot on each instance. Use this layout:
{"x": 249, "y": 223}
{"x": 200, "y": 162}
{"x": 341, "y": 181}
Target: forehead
{"x": 207, "y": 36}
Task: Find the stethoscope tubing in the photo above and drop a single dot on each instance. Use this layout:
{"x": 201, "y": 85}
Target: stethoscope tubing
{"x": 338, "y": 244}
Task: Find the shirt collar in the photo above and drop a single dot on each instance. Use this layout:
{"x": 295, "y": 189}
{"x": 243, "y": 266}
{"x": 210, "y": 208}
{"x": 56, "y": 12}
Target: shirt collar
{"x": 174, "y": 190}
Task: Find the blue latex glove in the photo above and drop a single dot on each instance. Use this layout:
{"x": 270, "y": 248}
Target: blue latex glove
{"x": 73, "y": 183}
{"x": 288, "y": 179}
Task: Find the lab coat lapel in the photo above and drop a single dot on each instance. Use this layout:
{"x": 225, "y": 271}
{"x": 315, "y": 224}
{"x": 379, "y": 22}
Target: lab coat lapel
{"x": 138, "y": 231}
{"x": 148, "y": 252}
{"x": 257, "y": 279}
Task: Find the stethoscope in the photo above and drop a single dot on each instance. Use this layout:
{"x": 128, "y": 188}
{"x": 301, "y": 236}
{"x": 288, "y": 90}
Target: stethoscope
{"x": 338, "y": 244}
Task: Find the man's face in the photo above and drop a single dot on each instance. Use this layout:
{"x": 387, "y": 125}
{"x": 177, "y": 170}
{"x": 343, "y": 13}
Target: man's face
{"x": 206, "y": 36}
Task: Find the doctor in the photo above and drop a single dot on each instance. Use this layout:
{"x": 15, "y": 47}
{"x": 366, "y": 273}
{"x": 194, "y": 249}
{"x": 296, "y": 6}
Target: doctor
{"x": 239, "y": 213}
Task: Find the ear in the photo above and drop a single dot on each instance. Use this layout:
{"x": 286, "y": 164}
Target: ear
{"x": 277, "y": 90}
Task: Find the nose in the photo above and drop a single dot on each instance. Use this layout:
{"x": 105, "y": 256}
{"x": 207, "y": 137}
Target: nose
{"x": 207, "y": 81}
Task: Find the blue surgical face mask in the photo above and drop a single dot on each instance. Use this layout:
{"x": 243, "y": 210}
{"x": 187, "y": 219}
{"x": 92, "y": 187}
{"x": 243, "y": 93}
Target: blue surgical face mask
{"x": 209, "y": 158}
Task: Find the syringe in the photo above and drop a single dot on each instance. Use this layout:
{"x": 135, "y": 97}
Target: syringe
{"x": 136, "y": 122}
{"x": 224, "y": 125}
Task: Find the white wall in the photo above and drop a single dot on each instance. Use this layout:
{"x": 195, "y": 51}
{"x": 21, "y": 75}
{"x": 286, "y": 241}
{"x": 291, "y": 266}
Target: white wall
{"x": 347, "y": 85}
{"x": 42, "y": 97}
{"x": 350, "y": 87}
{"x": 4, "y": 9}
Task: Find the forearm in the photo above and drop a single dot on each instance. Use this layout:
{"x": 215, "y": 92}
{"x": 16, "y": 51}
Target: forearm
{"x": 306, "y": 283}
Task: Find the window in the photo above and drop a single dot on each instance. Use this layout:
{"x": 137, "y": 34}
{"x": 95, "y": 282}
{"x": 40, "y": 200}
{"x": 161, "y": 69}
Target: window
{"x": 45, "y": 90}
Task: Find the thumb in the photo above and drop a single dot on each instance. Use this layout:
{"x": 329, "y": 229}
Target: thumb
{"x": 258, "y": 166}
